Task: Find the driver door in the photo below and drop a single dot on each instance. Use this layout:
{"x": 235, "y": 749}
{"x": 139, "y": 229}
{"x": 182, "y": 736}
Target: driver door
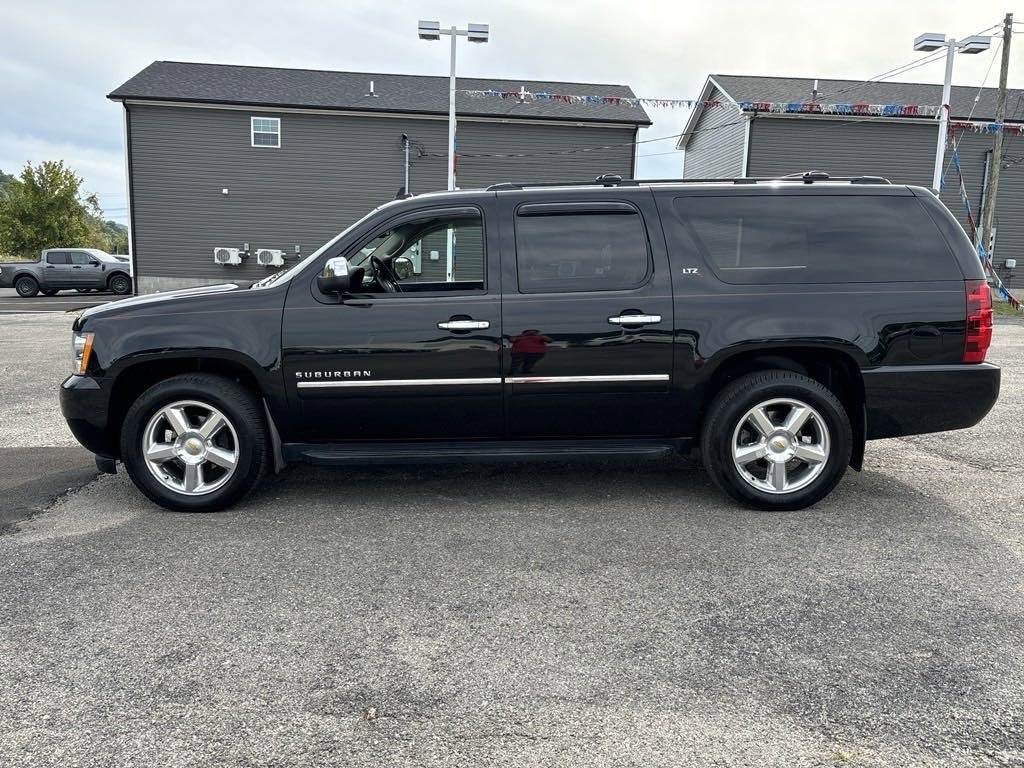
{"x": 422, "y": 362}
{"x": 85, "y": 270}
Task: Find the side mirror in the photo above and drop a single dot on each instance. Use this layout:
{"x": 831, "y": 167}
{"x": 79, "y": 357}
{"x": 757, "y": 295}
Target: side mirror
{"x": 335, "y": 278}
{"x": 404, "y": 267}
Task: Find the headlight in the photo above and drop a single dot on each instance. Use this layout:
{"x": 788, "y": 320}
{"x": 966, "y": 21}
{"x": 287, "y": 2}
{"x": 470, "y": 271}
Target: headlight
{"x": 81, "y": 346}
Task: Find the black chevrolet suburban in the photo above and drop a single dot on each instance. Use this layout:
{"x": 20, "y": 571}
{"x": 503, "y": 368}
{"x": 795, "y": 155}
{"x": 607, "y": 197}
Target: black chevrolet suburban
{"x": 772, "y": 325}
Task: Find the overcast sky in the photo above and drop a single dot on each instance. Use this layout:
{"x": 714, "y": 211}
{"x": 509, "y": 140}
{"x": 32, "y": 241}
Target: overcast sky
{"x": 60, "y": 58}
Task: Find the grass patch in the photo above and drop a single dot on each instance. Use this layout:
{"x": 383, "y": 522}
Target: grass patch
{"x": 1004, "y": 308}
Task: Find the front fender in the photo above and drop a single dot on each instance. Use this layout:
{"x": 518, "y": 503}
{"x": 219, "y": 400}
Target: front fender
{"x": 225, "y": 330}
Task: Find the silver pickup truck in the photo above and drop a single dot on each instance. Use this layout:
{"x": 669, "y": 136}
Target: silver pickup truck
{"x": 81, "y": 269}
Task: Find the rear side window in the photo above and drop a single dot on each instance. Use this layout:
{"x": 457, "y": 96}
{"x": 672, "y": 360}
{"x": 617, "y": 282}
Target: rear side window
{"x": 599, "y": 251}
{"x": 57, "y": 258}
{"x": 817, "y": 239}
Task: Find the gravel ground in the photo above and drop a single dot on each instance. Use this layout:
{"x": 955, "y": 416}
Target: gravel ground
{"x": 35, "y": 357}
{"x": 526, "y": 615}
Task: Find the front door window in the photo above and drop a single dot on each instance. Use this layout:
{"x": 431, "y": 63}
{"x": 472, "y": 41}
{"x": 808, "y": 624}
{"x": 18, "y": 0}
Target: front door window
{"x": 425, "y": 255}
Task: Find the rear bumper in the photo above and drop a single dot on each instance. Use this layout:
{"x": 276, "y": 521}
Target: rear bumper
{"x": 85, "y": 403}
{"x": 914, "y": 399}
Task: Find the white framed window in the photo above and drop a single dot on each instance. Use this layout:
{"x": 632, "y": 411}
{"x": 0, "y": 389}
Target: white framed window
{"x": 265, "y": 131}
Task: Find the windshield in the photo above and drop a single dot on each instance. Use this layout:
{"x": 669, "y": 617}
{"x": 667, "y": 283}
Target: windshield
{"x": 290, "y": 272}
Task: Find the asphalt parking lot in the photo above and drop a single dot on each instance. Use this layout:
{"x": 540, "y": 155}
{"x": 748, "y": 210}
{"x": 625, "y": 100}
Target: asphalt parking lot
{"x": 65, "y": 301}
{"x": 568, "y": 614}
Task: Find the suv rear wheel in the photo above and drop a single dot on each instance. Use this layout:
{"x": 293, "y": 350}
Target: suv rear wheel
{"x": 195, "y": 442}
{"x": 26, "y": 286}
{"x": 776, "y": 440}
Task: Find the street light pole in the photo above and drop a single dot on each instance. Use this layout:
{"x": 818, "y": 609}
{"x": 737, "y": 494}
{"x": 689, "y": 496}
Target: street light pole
{"x": 451, "y": 113}
{"x": 475, "y": 33}
{"x": 940, "y": 145}
{"x": 932, "y": 41}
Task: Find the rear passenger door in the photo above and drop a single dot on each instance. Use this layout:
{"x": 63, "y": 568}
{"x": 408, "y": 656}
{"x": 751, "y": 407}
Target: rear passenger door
{"x": 57, "y": 270}
{"x": 586, "y": 315}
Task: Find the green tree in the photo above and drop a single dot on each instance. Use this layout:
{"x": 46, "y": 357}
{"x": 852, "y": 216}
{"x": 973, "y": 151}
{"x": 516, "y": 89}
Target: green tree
{"x": 44, "y": 208}
{"x": 116, "y": 235}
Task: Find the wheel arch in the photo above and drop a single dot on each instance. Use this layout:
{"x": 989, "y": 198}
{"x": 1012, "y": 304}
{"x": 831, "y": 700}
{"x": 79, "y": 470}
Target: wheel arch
{"x": 137, "y": 374}
{"x": 117, "y": 273}
{"x": 26, "y": 273}
{"x": 835, "y": 367}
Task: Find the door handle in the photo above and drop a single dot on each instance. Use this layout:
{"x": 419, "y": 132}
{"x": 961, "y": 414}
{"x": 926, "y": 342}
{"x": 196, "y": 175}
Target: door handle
{"x": 634, "y": 319}
{"x": 77, "y": 266}
{"x": 464, "y": 325}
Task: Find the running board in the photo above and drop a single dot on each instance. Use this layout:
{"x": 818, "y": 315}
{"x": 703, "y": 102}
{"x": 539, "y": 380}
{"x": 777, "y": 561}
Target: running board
{"x": 483, "y": 452}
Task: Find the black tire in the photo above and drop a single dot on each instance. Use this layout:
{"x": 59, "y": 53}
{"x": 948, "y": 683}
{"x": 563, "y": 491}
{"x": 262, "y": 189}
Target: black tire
{"x": 48, "y": 291}
{"x": 245, "y": 414}
{"x": 26, "y": 286}
{"x": 120, "y": 284}
{"x": 726, "y": 418}
{"x": 83, "y": 290}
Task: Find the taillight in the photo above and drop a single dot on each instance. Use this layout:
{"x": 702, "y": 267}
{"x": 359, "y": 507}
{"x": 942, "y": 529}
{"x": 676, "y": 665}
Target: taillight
{"x": 979, "y": 321}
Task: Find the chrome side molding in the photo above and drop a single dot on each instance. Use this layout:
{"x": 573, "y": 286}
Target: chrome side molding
{"x": 585, "y": 379}
{"x": 397, "y": 383}
{"x": 635, "y": 377}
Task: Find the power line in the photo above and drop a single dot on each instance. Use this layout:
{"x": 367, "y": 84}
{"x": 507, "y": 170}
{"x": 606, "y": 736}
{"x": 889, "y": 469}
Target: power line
{"x": 579, "y": 150}
{"x": 903, "y": 68}
{"x": 974, "y": 106}
{"x": 659, "y": 154}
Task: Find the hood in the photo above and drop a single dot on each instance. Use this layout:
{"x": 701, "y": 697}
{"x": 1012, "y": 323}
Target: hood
{"x": 155, "y": 298}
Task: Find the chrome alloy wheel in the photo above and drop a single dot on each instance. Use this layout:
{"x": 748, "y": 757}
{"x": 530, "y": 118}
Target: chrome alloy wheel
{"x": 780, "y": 446}
{"x": 190, "y": 447}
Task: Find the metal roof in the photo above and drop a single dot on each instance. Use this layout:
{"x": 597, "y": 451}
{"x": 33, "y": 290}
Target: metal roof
{"x": 321, "y": 89}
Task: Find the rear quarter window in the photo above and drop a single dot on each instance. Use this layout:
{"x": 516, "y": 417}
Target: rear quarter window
{"x": 762, "y": 239}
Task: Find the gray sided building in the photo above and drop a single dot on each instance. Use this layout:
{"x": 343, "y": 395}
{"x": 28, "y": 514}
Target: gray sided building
{"x": 224, "y": 156}
{"x": 727, "y": 142}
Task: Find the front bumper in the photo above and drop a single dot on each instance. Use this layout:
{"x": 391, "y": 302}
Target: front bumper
{"x": 915, "y": 399}
{"x": 85, "y": 403}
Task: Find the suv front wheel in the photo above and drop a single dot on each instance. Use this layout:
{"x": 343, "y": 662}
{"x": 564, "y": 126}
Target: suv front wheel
{"x": 195, "y": 442}
{"x": 776, "y": 440}
{"x": 120, "y": 284}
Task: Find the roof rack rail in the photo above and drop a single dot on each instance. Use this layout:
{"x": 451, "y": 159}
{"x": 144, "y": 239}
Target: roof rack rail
{"x": 613, "y": 180}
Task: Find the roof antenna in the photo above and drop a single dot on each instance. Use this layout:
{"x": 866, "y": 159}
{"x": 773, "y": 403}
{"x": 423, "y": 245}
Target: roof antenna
{"x": 814, "y": 91}
{"x": 372, "y": 93}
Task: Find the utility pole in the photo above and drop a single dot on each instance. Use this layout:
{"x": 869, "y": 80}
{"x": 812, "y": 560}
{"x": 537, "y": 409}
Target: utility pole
{"x": 989, "y": 214}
